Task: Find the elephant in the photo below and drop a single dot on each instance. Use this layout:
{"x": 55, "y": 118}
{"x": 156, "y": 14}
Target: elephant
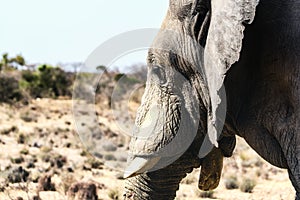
{"x": 217, "y": 69}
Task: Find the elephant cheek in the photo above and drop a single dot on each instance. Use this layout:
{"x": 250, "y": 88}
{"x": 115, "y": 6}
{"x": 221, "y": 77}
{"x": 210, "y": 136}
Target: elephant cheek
{"x": 147, "y": 131}
{"x": 157, "y": 122}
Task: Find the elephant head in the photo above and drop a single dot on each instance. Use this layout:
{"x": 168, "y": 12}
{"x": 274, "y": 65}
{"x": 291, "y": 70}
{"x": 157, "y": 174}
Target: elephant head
{"x": 182, "y": 114}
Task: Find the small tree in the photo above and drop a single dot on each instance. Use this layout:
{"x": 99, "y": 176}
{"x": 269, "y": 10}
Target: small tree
{"x": 19, "y": 59}
{"x": 101, "y": 68}
{"x": 4, "y": 61}
{"x": 9, "y": 63}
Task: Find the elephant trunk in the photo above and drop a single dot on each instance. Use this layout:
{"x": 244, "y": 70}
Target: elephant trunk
{"x": 160, "y": 184}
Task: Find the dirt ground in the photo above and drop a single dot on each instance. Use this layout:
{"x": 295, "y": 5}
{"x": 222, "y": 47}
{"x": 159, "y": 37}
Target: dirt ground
{"x": 41, "y": 138}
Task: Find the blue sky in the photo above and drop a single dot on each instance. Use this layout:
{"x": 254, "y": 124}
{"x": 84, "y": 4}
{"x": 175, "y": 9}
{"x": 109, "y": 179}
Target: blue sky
{"x": 52, "y": 31}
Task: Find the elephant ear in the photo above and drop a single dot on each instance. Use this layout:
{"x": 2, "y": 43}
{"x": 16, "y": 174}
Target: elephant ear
{"x": 223, "y": 46}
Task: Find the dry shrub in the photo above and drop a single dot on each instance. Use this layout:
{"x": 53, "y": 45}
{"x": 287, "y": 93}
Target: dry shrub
{"x": 207, "y": 194}
{"x": 231, "y": 182}
{"x": 114, "y": 194}
{"x": 247, "y": 185}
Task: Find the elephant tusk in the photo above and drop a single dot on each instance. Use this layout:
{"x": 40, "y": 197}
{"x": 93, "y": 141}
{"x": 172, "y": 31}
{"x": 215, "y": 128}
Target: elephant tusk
{"x": 140, "y": 165}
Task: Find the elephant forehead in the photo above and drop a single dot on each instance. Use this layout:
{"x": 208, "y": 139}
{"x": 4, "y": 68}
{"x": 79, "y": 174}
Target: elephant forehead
{"x": 180, "y": 7}
{"x": 180, "y": 3}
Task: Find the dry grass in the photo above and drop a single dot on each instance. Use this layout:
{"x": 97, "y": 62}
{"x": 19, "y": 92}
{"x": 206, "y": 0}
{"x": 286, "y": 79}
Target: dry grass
{"x": 43, "y": 143}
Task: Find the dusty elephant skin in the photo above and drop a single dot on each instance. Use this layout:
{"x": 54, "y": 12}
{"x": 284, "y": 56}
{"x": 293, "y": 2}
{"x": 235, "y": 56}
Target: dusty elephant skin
{"x": 250, "y": 47}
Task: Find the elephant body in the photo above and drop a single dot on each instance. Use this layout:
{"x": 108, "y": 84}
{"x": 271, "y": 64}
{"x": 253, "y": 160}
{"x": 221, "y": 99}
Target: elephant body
{"x": 263, "y": 87}
{"x": 262, "y": 90}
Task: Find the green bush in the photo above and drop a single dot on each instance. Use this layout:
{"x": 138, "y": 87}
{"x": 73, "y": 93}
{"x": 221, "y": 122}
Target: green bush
{"x": 119, "y": 76}
{"x": 48, "y": 82}
{"x": 127, "y": 80}
{"x": 54, "y": 81}
{"x": 9, "y": 89}
{"x": 29, "y": 76}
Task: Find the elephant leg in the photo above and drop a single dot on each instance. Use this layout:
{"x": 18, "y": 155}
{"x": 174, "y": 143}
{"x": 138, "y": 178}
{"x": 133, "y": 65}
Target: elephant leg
{"x": 265, "y": 144}
{"x": 293, "y": 160}
{"x": 283, "y": 154}
{"x": 295, "y": 184}
{"x": 294, "y": 173}
{"x": 278, "y": 140}
{"x": 288, "y": 135}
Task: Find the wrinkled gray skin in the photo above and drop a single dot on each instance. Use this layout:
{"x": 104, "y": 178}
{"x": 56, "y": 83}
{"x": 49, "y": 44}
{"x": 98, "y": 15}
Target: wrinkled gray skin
{"x": 262, "y": 93}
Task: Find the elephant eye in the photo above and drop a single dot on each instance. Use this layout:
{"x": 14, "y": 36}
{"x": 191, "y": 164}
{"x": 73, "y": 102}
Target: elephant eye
{"x": 159, "y": 75}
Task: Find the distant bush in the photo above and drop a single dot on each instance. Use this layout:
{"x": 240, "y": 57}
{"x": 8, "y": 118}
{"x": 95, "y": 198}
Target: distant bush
{"x": 9, "y": 89}
{"x": 30, "y": 82}
{"x": 54, "y": 80}
{"x": 123, "y": 83}
{"x": 118, "y": 76}
{"x": 127, "y": 80}
{"x": 48, "y": 82}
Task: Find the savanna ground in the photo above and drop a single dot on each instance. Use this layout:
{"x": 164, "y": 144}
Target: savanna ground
{"x": 41, "y": 138}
